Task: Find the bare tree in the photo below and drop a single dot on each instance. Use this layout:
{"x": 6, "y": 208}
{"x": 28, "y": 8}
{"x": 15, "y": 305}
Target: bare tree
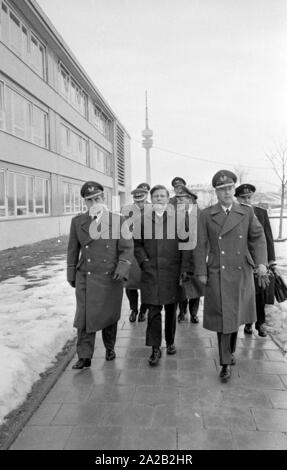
{"x": 278, "y": 159}
{"x": 241, "y": 173}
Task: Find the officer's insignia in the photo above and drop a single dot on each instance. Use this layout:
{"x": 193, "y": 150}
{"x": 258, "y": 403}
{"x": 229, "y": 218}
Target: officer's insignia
{"x": 91, "y": 189}
{"x": 223, "y": 178}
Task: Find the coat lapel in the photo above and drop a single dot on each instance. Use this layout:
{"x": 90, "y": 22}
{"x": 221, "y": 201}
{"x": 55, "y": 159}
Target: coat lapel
{"x": 218, "y": 216}
{"x": 233, "y": 219}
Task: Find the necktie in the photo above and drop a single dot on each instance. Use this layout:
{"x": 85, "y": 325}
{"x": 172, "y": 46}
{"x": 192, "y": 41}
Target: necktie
{"x": 227, "y": 211}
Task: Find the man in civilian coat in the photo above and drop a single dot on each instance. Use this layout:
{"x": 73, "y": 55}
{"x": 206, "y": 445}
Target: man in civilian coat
{"x": 244, "y": 194}
{"x": 158, "y": 253}
{"x": 232, "y": 237}
{"x": 100, "y": 253}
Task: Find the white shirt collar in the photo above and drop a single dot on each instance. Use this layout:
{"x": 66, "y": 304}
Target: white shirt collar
{"x": 224, "y": 208}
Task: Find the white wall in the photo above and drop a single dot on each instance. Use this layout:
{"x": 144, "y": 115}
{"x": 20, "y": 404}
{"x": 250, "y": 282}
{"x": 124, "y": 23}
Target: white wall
{"x": 25, "y": 231}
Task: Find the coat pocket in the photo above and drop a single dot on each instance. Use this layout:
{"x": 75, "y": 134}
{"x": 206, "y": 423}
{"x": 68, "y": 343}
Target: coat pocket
{"x": 250, "y": 260}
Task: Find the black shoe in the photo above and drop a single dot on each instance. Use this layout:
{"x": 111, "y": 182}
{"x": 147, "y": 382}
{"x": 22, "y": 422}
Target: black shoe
{"x": 181, "y": 317}
{"x": 110, "y": 354}
{"x": 141, "y": 316}
{"x": 233, "y": 360}
{"x": 261, "y": 330}
{"x": 133, "y": 316}
{"x": 248, "y": 329}
{"x": 81, "y": 363}
{"x": 155, "y": 357}
{"x": 225, "y": 373}
{"x": 194, "y": 319}
{"x": 170, "y": 349}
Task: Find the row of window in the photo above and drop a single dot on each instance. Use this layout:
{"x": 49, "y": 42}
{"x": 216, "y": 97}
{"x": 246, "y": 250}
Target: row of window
{"x": 21, "y": 117}
{"x": 22, "y": 40}
{"x": 23, "y": 195}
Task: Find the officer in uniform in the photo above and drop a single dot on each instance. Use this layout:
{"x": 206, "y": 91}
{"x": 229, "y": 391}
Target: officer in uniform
{"x": 100, "y": 253}
{"x": 133, "y": 284}
{"x": 244, "y": 194}
{"x": 191, "y": 288}
{"x": 232, "y": 237}
{"x": 177, "y": 184}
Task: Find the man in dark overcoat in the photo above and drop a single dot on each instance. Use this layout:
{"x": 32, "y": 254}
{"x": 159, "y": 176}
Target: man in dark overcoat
{"x": 100, "y": 253}
{"x": 132, "y": 211}
{"x": 191, "y": 289}
{"x": 232, "y": 237}
{"x": 158, "y": 253}
{"x": 244, "y": 194}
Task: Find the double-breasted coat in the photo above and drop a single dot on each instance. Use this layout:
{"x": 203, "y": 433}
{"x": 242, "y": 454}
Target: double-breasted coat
{"x": 234, "y": 244}
{"x": 92, "y": 262}
{"x": 160, "y": 258}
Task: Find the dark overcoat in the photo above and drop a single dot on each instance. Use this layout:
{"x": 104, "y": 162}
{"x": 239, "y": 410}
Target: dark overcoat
{"x": 93, "y": 260}
{"x": 263, "y": 218}
{"x": 234, "y": 245}
{"x": 165, "y": 260}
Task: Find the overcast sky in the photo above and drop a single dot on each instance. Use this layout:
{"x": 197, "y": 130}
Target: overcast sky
{"x": 215, "y": 71}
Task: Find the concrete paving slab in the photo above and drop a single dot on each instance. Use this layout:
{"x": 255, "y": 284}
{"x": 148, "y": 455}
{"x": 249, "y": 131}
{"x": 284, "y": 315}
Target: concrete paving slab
{"x": 180, "y": 404}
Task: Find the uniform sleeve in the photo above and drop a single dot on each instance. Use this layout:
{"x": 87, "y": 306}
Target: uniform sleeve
{"x": 125, "y": 250}
{"x": 74, "y": 248}
{"x": 139, "y": 251}
{"x": 199, "y": 254}
{"x": 269, "y": 240}
{"x": 256, "y": 240}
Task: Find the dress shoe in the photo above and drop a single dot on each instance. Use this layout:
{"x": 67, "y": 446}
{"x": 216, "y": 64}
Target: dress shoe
{"x": 81, "y": 363}
{"x": 225, "y": 373}
{"x": 248, "y": 329}
{"x": 141, "y": 316}
{"x": 171, "y": 349}
{"x": 194, "y": 319}
{"x": 155, "y": 356}
{"x": 233, "y": 360}
{"x": 181, "y": 317}
{"x": 133, "y": 316}
{"x": 110, "y": 354}
{"x": 261, "y": 330}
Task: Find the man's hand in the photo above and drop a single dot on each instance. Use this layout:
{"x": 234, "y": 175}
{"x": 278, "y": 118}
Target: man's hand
{"x": 72, "y": 284}
{"x": 263, "y": 281}
{"x": 261, "y": 270}
{"x": 184, "y": 277}
{"x": 203, "y": 279}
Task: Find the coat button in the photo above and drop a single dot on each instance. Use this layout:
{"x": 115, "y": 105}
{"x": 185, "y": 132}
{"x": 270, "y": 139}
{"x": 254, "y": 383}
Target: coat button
{"x": 89, "y": 260}
{"x": 105, "y": 260}
{"x": 219, "y": 238}
{"x": 240, "y": 236}
{"x": 87, "y": 246}
{"x": 89, "y": 273}
{"x": 239, "y": 267}
{"x": 223, "y": 267}
{"x": 223, "y": 252}
{"x": 238, "y": 253}
{"x": 107, "y": 246}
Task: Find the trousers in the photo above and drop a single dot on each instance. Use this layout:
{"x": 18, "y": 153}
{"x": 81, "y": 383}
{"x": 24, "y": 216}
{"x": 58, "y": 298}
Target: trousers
{"x": 86, "y": 341}
{"x": 226, "y": 346}
{"x": 154, "y": 329}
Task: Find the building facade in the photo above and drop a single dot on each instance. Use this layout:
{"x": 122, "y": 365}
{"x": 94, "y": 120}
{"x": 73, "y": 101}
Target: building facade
{"x": 56, "y": 131}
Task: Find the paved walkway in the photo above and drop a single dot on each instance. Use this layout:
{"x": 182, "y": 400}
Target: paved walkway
{"x": 181, "y": 404}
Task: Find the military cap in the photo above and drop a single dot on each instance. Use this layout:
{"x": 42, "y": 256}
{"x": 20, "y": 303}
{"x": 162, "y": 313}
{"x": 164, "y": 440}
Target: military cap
{"x": 139, "y": 194}
{"x": 178, "y": 180}
{"x": 223, "y": 178}
{"x": 144, "y": 186}
{"x": 244, "y": 190}
{"x": 91, "y": 189}
{"x": 184, "y": 191}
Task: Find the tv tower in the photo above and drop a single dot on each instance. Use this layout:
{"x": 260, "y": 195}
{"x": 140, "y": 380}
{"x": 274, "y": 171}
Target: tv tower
{"x": 147, "y": 142}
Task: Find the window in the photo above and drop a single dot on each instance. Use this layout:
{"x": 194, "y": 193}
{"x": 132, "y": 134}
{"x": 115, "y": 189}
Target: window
{"x": 26, "y": 195}
{"x": 101, "y": 160}
{"x": 72, "y": 92}
{"x": 73, "y": 145}
{"x": 73, "y": 203}
{"x": 102, "y": 123}
{"x": 22, "y": 118}
{"x": 22, "y": 40}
